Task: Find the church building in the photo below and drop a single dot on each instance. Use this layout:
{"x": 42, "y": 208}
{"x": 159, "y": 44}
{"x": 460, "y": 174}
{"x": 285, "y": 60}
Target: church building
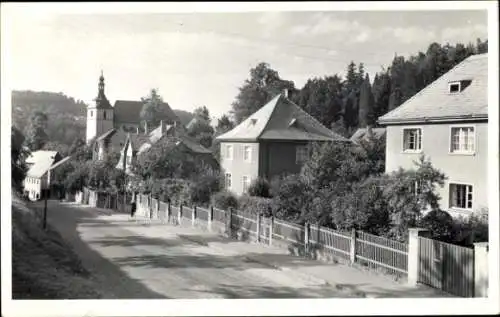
{"x": 120, "y": 128}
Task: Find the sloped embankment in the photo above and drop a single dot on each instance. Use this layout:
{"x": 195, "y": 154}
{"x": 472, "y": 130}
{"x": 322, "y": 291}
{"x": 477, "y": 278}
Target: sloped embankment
{"x": 43, "y": 265}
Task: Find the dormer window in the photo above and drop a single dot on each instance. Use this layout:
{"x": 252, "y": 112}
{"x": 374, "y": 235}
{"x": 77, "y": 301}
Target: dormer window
{"x": 454, "y": 87}
{"x": 458, "y": 86}
{"x": 253, "y": 121}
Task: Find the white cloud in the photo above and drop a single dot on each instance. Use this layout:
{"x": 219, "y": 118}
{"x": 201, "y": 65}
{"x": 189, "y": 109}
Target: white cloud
{"x": 409, "y": 35}
{"x": 326, "y": 24}
{"x": 465, "y": 33}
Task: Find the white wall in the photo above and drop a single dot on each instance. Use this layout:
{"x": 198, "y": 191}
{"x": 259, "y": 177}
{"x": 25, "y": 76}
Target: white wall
{"x": 471, "y": 169}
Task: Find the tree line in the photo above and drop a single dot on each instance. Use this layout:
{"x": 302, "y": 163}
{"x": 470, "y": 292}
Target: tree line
{"x": 347, "y": 103}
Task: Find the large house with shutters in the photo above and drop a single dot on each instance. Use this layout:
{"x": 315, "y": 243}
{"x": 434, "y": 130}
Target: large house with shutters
{"x": 447, "y": 122}
{"x": 271, "y": 142}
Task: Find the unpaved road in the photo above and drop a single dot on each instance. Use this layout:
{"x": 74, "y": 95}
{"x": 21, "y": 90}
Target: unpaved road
{"x": 128, "y": 261}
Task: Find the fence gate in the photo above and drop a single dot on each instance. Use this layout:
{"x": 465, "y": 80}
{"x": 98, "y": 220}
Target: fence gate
{"x": 446, "y": 266}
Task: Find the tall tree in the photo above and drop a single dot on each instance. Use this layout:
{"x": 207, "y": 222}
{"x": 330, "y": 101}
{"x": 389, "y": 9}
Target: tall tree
{"x": 264, "y": 84}
{"x": 153, "y": 109}
{"x": 366, "y": 104}
{"x": 37, "y": 131}
{"x": 395, "y": 99}
{"x": 18, "y": 155}
{"x": 201, "y": 129}
{"x": 202, "y": 113}
{"x": 381, "y": 93}
{"x": 224, "y": 124}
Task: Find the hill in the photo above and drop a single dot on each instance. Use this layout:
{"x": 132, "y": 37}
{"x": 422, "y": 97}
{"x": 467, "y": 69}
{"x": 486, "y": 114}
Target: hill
{"x": 66, "y": 115}
{"x": 43, "y": 265}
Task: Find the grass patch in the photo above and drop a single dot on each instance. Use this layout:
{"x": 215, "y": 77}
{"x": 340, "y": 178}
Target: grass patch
{"x": 43, "y": 265}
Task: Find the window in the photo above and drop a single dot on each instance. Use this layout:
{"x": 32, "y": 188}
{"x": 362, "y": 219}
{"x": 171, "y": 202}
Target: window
{"x": 246, "y": 183}
{"x": 412, "y": 140}
{"x": 462, "y": 140}
{"x": 104, "y": 114}
{"x": 461, "y": 196}
{"x": 129, "y": 160}
{"x": 247, "y": 154}
{"x": 91, "y": 113}
{"x": 301, "y": 153}
{"x": 229, "y": 152}
{"x": 228, "y": 180}
{"x": 454, "y": 87}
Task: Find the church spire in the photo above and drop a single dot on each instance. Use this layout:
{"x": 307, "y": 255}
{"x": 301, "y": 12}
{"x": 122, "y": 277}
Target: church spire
{"x": 101, "y": 100}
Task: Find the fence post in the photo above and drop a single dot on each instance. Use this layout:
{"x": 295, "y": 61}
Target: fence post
{"x": 168, "y": 210}
{"x": 193, "y": 216}
{"x": 352, "y": 253}
{"x": 150, "y": 208}
{"x": 306, "y": 238}
{"x": 179, "y": 216}
{"x": 259, "y": 219}
{"x": 210, "y": 217}
{"x": 481, "y": 269}
{"x": 158, "y": 207}
{"x": 229, "y": 221}
{"x": 413, "y": 253}
{"x": 271, "y": 222}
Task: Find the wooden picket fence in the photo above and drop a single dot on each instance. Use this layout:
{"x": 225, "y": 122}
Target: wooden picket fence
{"x": 441, "y": 265}
{"x": 359, "y": 247}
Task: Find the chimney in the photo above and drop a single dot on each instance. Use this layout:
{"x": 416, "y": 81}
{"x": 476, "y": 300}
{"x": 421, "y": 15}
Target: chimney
{"x": 137, "y": 128}
{"x": 285, "y": 93}
{"x": 145, "y": 127}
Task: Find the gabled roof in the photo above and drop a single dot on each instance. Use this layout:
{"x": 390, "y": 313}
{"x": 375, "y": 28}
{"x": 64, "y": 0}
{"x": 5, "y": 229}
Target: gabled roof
{"x": 436, "y": 103}
{"x": 361, "y": 134}
{"x": 61, "y": 162}
{"x": 106, "y": 135}
{"x": 41, "y": 162}
{"x": 280, "y": 119}
{"x": 128, "y": 111}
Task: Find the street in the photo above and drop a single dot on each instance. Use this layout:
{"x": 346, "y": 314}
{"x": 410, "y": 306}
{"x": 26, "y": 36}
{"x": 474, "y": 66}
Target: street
{"x": 130, "y": 260}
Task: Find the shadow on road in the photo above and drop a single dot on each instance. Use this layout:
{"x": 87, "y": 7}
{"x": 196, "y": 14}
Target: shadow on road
{"x": 113, "y": 282}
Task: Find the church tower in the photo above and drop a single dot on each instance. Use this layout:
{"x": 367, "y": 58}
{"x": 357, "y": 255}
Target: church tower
{"x": 99, "y": 115}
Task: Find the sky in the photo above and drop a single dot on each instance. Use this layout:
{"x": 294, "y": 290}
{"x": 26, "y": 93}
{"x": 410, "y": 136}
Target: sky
{"x": 197, "y": 59}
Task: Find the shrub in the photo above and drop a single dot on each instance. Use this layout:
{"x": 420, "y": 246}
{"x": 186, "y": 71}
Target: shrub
{"x": 256, "y": 205}
{"x": 202, "y": 189}
{"x": 260, "y": 187}
{"x": 224, "y": 200}
{"x": 292, "y": 198}
{"x": 361, "y": 207}
{"x": 472, "y": 229}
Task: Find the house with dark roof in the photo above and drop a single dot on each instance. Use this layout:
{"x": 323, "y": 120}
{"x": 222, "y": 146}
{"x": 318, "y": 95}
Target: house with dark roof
{"x": 138, "y": 144}
{"x": 448, "y": 122}
{"x": 273, "y": 141}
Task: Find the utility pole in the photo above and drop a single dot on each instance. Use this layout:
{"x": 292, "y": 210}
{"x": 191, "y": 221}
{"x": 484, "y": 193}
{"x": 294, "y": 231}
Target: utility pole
{"x": 45, "y": 210}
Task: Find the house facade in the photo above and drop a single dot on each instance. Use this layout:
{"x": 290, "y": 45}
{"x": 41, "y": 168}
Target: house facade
{"x": 447, "y": 122}
{"x": 273, "y": 141}
{"x": 137, "y": 144}
{"x": 38, "y": 175}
